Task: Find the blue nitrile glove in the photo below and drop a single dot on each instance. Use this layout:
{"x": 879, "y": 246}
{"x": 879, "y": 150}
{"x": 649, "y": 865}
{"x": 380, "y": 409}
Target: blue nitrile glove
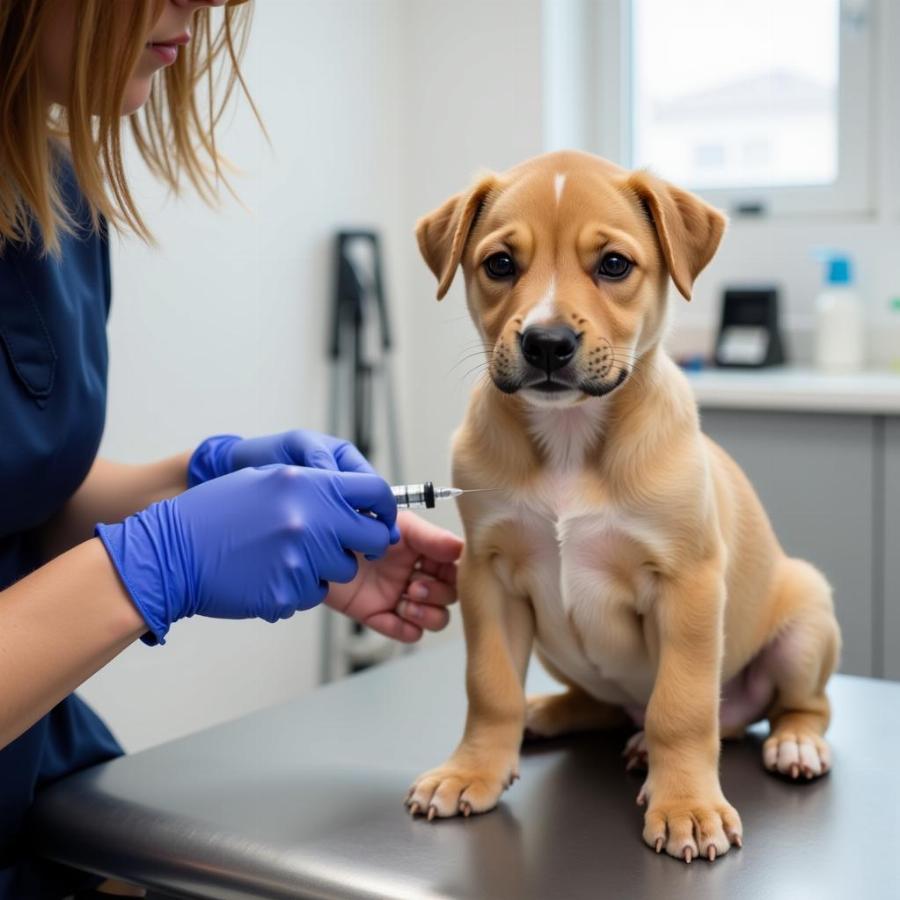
{"x": 259, "y": 543}
{"x": 224, "y": 453}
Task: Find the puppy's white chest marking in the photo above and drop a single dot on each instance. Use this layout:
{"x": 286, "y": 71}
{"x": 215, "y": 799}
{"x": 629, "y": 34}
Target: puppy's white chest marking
{"x": 559, "y": 182}
{"x": 586, "y": 566}
{"x": 565, "y": 436}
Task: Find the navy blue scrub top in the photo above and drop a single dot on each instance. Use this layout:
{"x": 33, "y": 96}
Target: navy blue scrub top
{"x": 53, "y": 362}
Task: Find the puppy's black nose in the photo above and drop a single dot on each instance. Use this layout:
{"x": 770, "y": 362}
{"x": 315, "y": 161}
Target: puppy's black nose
{"x": 549, "y": 347}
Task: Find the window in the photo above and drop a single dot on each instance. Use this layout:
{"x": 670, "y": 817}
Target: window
{"x": 715, "y": 112}
{"x": 761, "y": 107}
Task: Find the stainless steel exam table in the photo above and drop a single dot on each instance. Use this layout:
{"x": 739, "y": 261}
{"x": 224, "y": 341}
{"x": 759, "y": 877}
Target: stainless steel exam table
{"x": 305, "y": 800}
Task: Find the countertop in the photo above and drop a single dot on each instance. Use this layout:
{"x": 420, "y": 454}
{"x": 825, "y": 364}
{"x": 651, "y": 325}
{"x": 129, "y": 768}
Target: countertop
{"x": 798, "y": 389}
{"x": 305, "y": 800}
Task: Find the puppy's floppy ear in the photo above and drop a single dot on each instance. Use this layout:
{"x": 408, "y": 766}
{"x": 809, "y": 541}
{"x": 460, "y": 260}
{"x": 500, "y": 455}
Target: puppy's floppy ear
{"x": 688, "y": 229}
{"x": 442, "y": 234}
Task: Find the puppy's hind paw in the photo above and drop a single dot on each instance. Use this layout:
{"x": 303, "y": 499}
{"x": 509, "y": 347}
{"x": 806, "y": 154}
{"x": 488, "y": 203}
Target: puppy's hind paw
{"x": 798, "y": 756}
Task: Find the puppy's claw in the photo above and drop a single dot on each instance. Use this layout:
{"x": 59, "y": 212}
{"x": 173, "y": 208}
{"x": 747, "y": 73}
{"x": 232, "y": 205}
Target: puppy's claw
{"x": 737, "y": 841}
{"x": 659, "y": 845}
{"x": 688, "y": 854}
{"x": 465, "y": 808}
{"x": 711, "y": 853}
{"x": 432, "y": 812}
{"x": 642, "y": 795}
{"x": 414, "y": 809}
{"x": 795, "y": 771}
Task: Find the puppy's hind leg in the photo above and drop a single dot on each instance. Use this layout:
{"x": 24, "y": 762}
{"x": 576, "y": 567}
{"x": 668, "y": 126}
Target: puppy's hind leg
{"x": 574, "y": 711}
{"x": 571, "y": 712}
{"x": 801, "y": 659}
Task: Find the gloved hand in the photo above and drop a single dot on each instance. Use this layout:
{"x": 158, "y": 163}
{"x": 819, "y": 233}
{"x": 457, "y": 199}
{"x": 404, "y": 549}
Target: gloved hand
{"x": 259, "y": 543}
{"x": 226, "y": 453}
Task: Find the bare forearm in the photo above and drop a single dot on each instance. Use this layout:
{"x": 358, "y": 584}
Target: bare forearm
{"x": 111, "y": 492}
{"x": 57, "y": 627}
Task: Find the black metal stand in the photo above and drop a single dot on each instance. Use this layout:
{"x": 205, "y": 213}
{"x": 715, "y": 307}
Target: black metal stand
{"x": 363, "y": 408}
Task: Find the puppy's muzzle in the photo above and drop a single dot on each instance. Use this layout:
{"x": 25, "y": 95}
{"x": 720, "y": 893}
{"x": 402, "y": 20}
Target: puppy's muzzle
{"x": 548, "y": 350}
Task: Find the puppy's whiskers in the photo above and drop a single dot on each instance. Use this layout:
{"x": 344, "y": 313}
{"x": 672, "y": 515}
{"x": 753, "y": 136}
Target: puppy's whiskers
{"x": 486, "y": 353}
{"x": 635, "y": 370}
{"x": 479, "y": 368}
{"x": 627, "y": 362}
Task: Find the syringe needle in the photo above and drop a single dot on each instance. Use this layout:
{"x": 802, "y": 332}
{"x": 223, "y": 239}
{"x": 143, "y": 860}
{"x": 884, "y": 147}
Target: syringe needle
{"x": 445, "y": 493}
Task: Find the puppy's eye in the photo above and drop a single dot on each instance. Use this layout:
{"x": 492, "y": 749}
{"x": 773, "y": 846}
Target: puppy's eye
{"x": 614, "y": 266}
{"x": 500, "y": 265}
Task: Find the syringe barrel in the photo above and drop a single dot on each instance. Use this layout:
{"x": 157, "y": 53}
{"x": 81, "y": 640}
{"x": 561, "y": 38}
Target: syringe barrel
{"x": 414, "y": 496}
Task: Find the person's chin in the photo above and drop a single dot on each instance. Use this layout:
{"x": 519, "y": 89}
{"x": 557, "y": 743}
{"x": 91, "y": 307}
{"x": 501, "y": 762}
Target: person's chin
{"x": 136, "y": 94}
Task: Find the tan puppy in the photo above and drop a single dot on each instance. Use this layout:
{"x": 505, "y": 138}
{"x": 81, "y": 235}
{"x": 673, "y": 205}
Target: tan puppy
{"x": 619, "y": 541}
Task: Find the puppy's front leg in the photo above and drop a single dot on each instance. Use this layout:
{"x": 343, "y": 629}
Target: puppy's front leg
{"x": 688, "y": 813}
{"x": 499, "y": 632}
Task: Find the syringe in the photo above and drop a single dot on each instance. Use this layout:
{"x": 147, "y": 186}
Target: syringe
{"x": 423, "y": 496}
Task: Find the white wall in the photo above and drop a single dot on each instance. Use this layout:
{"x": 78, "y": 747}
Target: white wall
{"x": 222, "y": 326}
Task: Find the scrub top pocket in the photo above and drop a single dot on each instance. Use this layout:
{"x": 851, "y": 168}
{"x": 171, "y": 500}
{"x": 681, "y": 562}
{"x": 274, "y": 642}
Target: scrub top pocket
{"x": 23, "y": 333}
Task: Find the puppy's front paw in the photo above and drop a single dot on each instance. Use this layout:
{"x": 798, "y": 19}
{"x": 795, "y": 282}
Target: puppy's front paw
{"x": 690, "y": 828}
{"x": 457, "y": 788}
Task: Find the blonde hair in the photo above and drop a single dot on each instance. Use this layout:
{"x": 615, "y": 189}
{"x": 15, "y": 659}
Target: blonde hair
{"x": 175, "y": 131}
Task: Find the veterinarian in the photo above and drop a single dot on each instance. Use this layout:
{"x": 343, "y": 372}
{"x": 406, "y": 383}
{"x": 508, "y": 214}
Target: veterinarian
{"x": 234, "y": 529}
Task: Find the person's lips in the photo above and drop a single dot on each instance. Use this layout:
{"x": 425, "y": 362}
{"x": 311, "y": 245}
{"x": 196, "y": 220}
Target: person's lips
{"x": 167, "y": 50}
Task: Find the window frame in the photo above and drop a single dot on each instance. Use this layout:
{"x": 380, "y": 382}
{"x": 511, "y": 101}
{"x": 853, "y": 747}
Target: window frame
{"x": 850, "y": 195}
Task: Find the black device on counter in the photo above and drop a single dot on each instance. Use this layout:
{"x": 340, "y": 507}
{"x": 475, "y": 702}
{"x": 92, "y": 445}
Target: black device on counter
{"x": 749, "y": 333}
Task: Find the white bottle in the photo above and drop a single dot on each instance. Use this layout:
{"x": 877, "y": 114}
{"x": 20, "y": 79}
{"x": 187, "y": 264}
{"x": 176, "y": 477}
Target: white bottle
{"x": 840, "y": 325}
{"x": 891, "y": 335}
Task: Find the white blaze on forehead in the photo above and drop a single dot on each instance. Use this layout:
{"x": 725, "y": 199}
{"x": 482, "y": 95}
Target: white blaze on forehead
{"x": 545, "y": 309}
{"x": 559, "y": 182}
